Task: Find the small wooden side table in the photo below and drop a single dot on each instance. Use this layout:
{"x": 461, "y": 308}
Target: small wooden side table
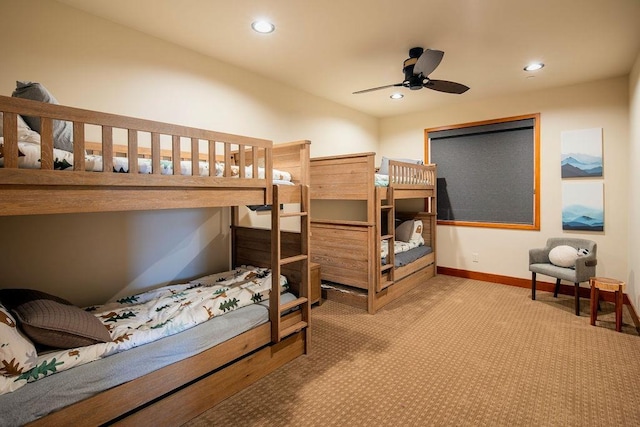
{"x": 610, "y": 285}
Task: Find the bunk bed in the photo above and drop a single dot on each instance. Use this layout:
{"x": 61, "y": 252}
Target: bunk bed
{"x": 348, "y": 250}
{"x": 228, "y": 171}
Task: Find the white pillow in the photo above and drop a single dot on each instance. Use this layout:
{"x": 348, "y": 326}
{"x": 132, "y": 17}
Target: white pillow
{"x": 17, "y": 352}
{"x": 25, "y": 134}
{"x": 563, "y": 256}
{"x": 416, "y": 234}
{"x": 384, "y": 164}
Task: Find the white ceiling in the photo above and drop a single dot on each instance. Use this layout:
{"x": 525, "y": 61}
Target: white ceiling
{"x": 332, "y": 48}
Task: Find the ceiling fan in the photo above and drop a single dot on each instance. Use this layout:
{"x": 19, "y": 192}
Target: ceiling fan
{"x": 417, "y": 68}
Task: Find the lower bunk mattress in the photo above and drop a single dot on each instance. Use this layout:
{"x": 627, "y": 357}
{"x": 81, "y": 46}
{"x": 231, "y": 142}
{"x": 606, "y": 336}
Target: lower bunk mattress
{"x": 407, "y": 257}
{"x": 54, "y": 392}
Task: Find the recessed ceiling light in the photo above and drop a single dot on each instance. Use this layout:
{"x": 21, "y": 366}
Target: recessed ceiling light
{"x": 396, "y": 96}
{"x": 534, "y": 66}
{"x": 263, "y": 26}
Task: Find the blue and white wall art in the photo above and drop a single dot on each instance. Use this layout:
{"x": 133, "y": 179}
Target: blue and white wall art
{"x": 583, "y": 205}
{"x": 581, "y": 154}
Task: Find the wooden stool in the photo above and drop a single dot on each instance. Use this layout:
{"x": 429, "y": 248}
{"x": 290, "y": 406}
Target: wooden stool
{"x": 611, "y": 285}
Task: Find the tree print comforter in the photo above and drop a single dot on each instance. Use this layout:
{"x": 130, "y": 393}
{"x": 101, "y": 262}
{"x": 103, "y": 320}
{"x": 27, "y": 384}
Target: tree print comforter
{"x": 147, "y": 317}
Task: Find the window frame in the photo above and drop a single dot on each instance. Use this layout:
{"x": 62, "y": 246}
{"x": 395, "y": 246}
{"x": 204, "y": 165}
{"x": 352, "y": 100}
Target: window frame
{"x": 535, "y": 224}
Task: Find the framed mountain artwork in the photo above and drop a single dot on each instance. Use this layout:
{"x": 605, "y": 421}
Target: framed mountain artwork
{"x": 581, "y": 153}
{"x": 583, "y": 205}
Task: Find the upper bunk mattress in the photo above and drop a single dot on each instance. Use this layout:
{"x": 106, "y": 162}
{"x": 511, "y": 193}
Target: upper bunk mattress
{"x": 29, "y": 158}
{"x": 383, "y": 181}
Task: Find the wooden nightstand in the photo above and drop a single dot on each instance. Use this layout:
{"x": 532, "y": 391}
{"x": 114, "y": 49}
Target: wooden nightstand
{"x": 314, "y": 273}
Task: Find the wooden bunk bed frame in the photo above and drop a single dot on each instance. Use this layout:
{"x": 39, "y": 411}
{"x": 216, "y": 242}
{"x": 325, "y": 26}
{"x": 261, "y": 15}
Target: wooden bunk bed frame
{"x": 348, "y": 251}
{"x": 181, "y": 391}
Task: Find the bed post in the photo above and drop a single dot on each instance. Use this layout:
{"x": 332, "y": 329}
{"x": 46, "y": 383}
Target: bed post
{"x": 268, "y": 175}
{"x": 274, "y": 298}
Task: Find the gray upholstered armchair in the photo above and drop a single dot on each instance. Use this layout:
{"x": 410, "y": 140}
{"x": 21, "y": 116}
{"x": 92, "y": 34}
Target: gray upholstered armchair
{"x": 585, "y": 267}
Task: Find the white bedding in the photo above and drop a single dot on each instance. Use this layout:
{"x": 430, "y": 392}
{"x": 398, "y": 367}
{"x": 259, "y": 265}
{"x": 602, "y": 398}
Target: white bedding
{"x": 383, "y": 181}
{"x": 152, "y": 315}
{"x": 398, "y": 247}
{"x": 29, "y": 158}
{"x": 408, "y": 235}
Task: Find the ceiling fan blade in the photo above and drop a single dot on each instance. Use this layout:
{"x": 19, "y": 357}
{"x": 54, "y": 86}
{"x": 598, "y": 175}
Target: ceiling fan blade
{"x": 446, "y": 86}
{"x": 428, "y": 61}
{"x": 377, "y": 88}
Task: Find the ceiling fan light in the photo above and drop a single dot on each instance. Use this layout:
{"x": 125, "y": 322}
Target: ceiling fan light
{"x": 396, "y": 95}
{"x": 534, "y": 66}
{"x": 263, "y": 27}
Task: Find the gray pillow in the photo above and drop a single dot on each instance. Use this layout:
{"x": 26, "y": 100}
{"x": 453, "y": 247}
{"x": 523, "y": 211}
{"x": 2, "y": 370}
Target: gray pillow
{"x": 51, "y": 321}
{"x": 384, "y": 165}
{"x": 404, "y": 231}
{"x": 62, "y": 131}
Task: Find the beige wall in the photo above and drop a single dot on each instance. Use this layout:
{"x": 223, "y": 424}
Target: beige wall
{"x": 634, "y": 186}
{"x": 505, "y": 252}
{"x": 92, "y": 63}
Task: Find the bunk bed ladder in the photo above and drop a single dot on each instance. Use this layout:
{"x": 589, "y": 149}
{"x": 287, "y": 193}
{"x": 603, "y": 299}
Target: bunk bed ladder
{"x": 279, "y": 329}
{"x": 385, "y": 273}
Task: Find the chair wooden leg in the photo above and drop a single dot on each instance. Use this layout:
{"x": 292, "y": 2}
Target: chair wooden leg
{"x": 555, "y": 292}
{"x": 594, "y": 304}
{"x": 533, "y": 286}
{"x": 577, "y": 299}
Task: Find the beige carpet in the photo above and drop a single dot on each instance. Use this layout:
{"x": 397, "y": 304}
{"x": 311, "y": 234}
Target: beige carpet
{"x": 452, "y": 352}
